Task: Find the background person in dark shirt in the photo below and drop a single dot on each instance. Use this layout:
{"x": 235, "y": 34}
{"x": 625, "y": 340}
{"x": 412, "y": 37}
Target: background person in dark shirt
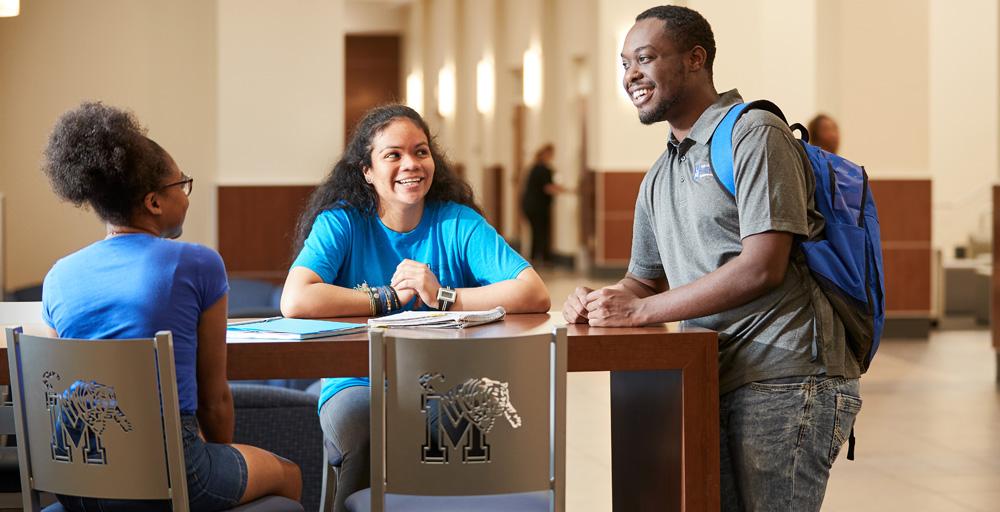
{"x": 824, "y": 133}
{"x": 536, "y": 202}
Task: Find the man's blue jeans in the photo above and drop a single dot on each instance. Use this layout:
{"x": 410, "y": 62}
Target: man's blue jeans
{"x": 779, "y": 439}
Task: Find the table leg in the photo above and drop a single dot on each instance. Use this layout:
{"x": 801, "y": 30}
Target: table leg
{"x": 646, "y": 440}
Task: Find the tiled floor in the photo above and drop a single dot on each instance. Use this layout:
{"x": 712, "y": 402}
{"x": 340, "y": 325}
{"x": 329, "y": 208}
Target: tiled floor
{"x": 928, "y": 433}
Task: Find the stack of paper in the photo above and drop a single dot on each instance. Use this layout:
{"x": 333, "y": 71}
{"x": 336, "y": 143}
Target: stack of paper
{"x": 439, "y": 319}
{"x": 279, "y": 328}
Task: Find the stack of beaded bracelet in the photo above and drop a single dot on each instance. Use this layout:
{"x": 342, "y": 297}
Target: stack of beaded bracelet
{"x": 381, "y": 299}
{"x": 363, "y": 287}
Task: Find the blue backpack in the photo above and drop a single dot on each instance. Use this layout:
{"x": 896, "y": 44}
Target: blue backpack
{"x": 847, "y": 261}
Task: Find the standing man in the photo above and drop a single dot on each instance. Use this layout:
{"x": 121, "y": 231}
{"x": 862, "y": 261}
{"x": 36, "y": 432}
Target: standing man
{"x": 788, "y": 382}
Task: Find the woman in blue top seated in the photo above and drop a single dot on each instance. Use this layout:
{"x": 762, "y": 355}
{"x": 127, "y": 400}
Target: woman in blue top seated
{"x": 392, "y": 227}
{"x": 136, "y": 282}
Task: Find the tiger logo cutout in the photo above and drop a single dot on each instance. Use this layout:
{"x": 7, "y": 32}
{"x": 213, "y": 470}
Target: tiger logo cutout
{"x": 79, "y": 415}
{"x": 468, "y": 410}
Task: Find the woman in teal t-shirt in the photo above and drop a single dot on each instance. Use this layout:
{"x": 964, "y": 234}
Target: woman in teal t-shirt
{"x": 391, "y": 228}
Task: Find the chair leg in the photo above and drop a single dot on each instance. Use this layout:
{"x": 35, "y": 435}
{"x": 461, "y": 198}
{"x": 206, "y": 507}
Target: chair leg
{"x": 329, "y": 491}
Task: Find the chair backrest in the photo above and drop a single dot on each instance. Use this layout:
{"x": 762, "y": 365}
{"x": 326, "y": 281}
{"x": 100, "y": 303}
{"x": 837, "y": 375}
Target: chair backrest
{"x": 468, "y": 416}
{"x": 251, "y": 298}
{"x": 18, "y": 313}
{"x": 26, "y": 293}
{"x": 88, "y": 418}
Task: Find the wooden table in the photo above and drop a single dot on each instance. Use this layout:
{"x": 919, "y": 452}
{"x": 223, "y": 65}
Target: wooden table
{"x": 664, "y": 397}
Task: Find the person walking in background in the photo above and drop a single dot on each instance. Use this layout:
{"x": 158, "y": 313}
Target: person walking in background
{"x": 824, "y": 133}
{"x": 536, "y": 203}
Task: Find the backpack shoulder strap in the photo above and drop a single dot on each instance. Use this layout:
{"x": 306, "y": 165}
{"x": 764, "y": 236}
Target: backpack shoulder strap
{"x": 721, "y": 146}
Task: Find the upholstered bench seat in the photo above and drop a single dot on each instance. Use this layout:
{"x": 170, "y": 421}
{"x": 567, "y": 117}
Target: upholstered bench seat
{"x": 522, "y": 502}
{"x": 265, "y": 504}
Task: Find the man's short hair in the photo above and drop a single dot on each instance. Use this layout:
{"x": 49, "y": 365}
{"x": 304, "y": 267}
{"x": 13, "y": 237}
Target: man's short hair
{"x": 686, "y": 27}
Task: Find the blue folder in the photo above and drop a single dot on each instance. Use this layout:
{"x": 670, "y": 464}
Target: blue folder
{"x": 290, "y": 329}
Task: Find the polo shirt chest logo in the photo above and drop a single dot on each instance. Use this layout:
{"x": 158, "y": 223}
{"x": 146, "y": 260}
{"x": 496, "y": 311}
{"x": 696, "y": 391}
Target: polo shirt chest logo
{"x": 701, "y": 170}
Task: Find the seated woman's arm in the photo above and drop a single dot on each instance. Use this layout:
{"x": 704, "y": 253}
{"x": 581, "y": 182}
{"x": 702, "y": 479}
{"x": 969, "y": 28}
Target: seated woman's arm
{"x": 305, "y": 295}
{"x": 526, "y": 293}
{"x": 215, "y": 401}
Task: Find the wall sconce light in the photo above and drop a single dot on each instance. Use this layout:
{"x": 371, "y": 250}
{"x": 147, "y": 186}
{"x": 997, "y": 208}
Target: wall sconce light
{"x": 485, "y": 86}
{"x": 415, "y": 91}
{"x": 10, "y": 8}
{"x": 532, "y": 76}
{"x": 446, "y": 90}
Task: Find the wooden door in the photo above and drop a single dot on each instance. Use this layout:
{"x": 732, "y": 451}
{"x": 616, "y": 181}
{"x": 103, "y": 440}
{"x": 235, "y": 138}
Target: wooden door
{"x": 372, "y": 75}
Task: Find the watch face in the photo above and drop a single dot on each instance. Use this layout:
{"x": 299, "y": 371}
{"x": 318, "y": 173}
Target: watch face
{"x": 446, "y": 294}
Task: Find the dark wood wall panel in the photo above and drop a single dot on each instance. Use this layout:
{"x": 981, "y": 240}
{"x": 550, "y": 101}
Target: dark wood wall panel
{"x": 995, "y": 306}
{"x": 618, "y": 239}
{"x": 257, "y": 228}
{"x": 492, "y": 199}
{"x": 904, "y": 210}
{"x": 907, "y": 281}
{"x": 588, "y": 212}
{"x": 372, "y": 75}
{"x": 616, "y": 194}
{"x": 621, "y": 190}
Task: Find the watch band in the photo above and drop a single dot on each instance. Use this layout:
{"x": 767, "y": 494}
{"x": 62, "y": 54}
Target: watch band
{"x": 446, "y": 297}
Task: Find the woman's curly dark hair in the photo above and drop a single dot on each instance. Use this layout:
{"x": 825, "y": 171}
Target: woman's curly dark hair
{"x": 100, "y": 156}
{"x": 345, "y": 186}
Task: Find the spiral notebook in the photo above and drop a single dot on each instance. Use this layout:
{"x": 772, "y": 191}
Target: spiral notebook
{"x": 439, "y": 319}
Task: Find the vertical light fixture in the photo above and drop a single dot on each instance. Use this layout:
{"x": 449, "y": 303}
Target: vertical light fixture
{"x": 446, "y": 90}
{"x": 532, "y": 76}
{"x": 485, "y": 86}
{"x": 415, "y": 91}
{"x": 10, "y": 8}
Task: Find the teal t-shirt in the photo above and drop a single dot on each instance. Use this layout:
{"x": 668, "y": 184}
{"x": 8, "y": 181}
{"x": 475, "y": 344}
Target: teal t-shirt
{"x": 347, "y": 247}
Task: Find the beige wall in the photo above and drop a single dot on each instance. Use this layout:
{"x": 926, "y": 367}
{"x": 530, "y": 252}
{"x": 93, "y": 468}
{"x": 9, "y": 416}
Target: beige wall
{"x": 568, "y": 78}
{"x": 156, "y": 58}
{"x": 475, "y": 40}
{"x": 882, "y": 79}
{"x": 616, "y": 139}
{"x": 240, "y": 94}
{"x": 774, "y": 60}
{"x": 280, "y": 97}
{"x": 963, "y": 123}
{"x": 374, "y": 17}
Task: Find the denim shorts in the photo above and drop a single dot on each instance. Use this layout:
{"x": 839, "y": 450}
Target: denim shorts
{"x": 216, "y": 479}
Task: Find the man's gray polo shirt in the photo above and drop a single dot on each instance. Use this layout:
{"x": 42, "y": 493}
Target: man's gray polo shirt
{"x": 687, "y": 225}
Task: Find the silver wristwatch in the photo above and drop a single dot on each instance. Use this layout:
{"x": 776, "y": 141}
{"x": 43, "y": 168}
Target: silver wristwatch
{"x": 446, "y": 297}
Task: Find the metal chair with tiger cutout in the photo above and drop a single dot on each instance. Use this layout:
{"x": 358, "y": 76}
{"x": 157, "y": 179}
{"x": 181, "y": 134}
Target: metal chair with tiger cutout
{"x": 100, "y": 419}
{"x": 466, "y": 423}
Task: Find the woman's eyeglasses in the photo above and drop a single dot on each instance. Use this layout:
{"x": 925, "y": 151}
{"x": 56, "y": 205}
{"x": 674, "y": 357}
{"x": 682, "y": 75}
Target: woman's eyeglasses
{"x": 186, "y": 184}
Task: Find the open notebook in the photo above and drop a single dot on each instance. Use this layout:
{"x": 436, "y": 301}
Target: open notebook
{"x": 439, "y": 319}
{"x": 289, "y": 329}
